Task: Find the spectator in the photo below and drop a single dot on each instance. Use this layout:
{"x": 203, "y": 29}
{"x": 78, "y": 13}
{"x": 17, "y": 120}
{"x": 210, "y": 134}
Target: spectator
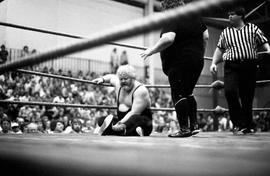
{"x": 3, "y": 54}
{"x": 223, "y": 123}
{"x": 114, "y": 62}
{"x": 124, "y": 58}
{"x": 15, "y": 128}
{"x": 48, "y": 127}
{"x": 66, "y": 120}
{"x": 209, "y": 123}
{"x": 57, "y": 126}
{"x": 34, "y": 51}
{"x": 76, "y": 126}
{"x": 5, "y": 126}
{"x": 25, "y": 51}
{"x": 202, "y": 121}
{"x": 21, "y": 123}
{"x": 90, "y": 126}
{"x": 40, "y": 127}
{"x": 32, "y": 128}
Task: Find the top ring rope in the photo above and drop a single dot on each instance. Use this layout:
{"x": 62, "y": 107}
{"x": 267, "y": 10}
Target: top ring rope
{"x": 63, "y": 34}
{"x": 73, "y": 36}
{"x": 130, "y": 29}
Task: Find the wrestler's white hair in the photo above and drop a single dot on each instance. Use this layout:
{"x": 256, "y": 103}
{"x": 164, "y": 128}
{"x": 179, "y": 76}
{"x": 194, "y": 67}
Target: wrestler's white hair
{"x": 126, "y": 70}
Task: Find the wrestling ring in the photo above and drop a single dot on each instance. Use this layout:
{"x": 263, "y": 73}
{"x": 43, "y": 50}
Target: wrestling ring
{"x": 209, "y": 153}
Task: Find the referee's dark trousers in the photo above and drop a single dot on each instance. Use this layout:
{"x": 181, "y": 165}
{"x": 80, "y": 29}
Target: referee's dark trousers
{"x": 239, "y": 85}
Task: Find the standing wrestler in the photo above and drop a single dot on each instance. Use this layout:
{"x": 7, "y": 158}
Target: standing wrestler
{"x": 181, "y": 48}
{"x": 134, "y": 117}
{"x": 238, "y": 45}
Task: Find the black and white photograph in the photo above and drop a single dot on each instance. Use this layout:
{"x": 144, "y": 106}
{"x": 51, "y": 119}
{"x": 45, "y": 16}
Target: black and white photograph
{"x": 135, "y": 87}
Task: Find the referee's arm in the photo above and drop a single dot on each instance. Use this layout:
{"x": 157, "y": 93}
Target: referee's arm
{"x": 217, "y": 58}
{"x": 266, "y": 47}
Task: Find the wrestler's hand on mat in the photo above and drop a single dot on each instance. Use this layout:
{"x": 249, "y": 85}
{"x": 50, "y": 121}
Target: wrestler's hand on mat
{"x": 98, "y": 80}
{"x": 119, "y": 126}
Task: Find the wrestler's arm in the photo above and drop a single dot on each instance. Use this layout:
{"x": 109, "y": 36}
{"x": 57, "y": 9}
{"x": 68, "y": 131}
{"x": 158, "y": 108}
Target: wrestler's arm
{"x": 141, "y": 100}
{"x": 205, "y": 38}
{"x": 108, "y": 78}
{"x": 164, "y": 42}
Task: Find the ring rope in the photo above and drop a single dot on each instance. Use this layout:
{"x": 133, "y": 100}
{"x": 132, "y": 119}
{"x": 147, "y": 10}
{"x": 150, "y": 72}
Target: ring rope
{"x": 73, "y": 36}
{"x": 64, "y": 34}
{"x": 217, "y": 84}
{"x": 60, "y": 77}
{"x": 263, "y": 81}
{"x": 218, "y": 109}
{"x": 56, "y": 104}
{"x": 147, "y": 24}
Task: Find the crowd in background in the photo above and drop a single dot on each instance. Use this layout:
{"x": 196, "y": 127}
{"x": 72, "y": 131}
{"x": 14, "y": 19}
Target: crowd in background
{"x": 18, "y": 119}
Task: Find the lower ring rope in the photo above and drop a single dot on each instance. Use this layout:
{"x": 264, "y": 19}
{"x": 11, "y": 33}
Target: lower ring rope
{"x": 56, "y": 104}
{"x": 218, "y": 109}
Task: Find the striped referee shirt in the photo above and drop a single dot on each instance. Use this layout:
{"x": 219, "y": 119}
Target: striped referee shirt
{"x": 241, "y": 44}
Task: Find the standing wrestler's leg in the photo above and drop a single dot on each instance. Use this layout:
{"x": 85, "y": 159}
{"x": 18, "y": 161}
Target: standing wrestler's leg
{"x": 193, "y": 115}
{"x": 194, "y": 77}
{"x": 179, "y": 96}
{"x": 176, "y": 78}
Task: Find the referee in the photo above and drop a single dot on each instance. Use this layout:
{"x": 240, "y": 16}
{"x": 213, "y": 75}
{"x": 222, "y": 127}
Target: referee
{"x": 238, "y": 46}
